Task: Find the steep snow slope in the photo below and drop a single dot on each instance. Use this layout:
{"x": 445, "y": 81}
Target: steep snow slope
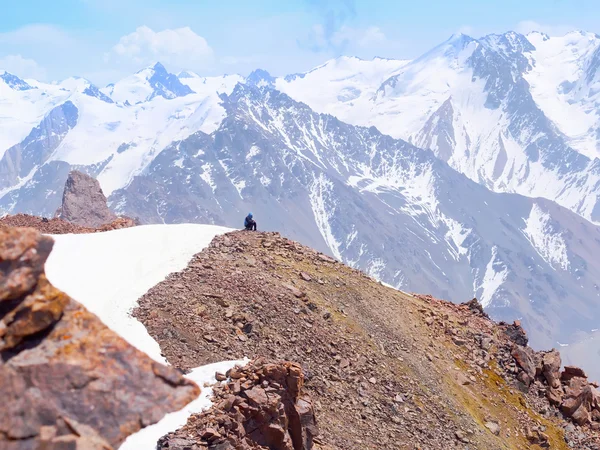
{"x": 381, "y": 205}
{"x": 565, "y": 84}
{"x": 108, "y": 272}
{"x": 341, "y": 86}
{"x": 23, "y": 109}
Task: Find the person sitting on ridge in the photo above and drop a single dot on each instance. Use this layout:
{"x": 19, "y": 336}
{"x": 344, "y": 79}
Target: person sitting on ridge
{"x": 249, "y": 223}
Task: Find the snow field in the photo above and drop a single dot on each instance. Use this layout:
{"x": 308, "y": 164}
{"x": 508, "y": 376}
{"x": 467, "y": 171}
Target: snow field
{"x": 108, "y": 272}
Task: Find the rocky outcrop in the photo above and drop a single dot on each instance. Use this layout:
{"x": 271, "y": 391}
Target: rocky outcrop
{"x": 569, "y": 390}
{"x": 260, "y": 406}
{"x": 66, "y": 380}
{"x": 84, "y": 202}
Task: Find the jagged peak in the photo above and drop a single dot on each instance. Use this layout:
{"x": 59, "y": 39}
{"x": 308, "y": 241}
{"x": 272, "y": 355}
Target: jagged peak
{"x": 14, "y": 82}
{"x": 260, "y": 77}
{"x": 187, "y": 74}
{"x": 162, "y": 82}
{"x": 150, "y": 70}
{"x": 159, "y": 67}
{"x": 511, "y": 40}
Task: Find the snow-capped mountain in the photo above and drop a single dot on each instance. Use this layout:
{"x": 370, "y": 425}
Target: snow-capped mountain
{"x": 54, "y": 127}
{"x": 185, "y": 148}
{"x": 514, "y": 113}
{"x": 380, "y": 204}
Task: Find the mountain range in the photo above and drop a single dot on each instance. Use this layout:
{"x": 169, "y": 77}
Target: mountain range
{"x": 469, "y": 171}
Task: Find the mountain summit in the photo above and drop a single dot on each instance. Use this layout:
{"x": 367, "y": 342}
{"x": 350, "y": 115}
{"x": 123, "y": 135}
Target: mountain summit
{"x": 148, "y": 84}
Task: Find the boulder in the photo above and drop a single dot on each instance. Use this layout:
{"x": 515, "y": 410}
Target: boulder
{"x": 571, "y": 372}
{"x": 476, "y": 307}
{"x": 516, "y": 333}
{"x": 83, "y": 202}
{"x": 555, "y": 396}
{"x": 525, "y": 359}
{"x": 581, "y": 399}
{"x": 551, "y": 364}
{"x": 66, "y": 380}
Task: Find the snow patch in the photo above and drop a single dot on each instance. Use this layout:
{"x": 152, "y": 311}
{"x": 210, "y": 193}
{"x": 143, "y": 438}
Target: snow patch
{"x": 495, "y": 275}
{"x": 254, "y": 150}
{"x": 207, "y": 177}
{"x": 108, "y": 272}
{"x": 323, "y": 212}
{"x": 549, "y": 244}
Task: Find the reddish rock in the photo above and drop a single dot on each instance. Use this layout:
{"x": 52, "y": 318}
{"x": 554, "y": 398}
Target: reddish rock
{"x": 84, "y": 202}
{"x": 551, "y": 363}
{"x": 580, "y": 403}
{"x": 305, "y": 276}
{"x": 118, "y": 223}
{"x": 294, "y": 290}
{"x": 572, "y": 372}
{"x": 581, "y": 399}
{"x": 525, "y": 359}
{"x": 66, "y": 380}
{"x": 60, "y": 226}
{"x": 269, "y": 410}
{"x": 555, "y": 396}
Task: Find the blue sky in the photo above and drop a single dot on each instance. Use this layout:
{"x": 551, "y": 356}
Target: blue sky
{"x": 104, "y": 40}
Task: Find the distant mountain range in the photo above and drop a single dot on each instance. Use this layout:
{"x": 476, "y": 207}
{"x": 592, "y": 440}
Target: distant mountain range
{"x": 470, "y": 171}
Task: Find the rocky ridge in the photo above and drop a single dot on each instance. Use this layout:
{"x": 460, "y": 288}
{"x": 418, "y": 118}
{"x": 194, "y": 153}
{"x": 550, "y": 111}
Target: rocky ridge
{"x": 408, "y": 371}
{"x": 66, "y": 380}
{"x": 60, "y": 226}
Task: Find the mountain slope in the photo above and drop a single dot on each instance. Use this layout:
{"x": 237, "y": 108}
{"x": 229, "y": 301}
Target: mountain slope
{"x": 564, "y": 81}
{"x": 385, "y": 369}
{"x": 381, "y": 205}
{"x": 493, "y": 109}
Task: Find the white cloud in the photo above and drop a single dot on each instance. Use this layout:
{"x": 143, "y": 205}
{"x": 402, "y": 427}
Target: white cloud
{"x": 36, "y": 34}
{"x": 22, "y": 67}
{"x": 319, "y": 40}
{"x": 179, "y": 47}
{"x": 371, "y": 36}
{"x": 527, "y": 26}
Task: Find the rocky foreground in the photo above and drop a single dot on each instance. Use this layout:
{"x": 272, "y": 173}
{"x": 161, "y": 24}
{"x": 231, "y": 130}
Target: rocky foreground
{"x": 66, "y": 380}
{"x": 260, "y": 406}
{"x": 385, "y": 369}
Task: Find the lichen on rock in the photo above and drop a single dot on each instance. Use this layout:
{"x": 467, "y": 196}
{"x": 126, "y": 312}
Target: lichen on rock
{"x": 66, "y": 380}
